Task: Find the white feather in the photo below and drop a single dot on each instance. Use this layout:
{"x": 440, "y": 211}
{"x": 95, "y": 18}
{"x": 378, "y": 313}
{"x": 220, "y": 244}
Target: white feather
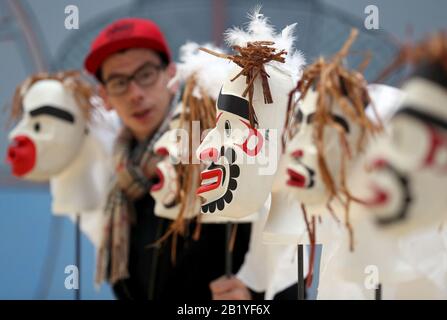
{"x": 287, "y": 38}
{"x": 259, "y": 25}
{"x": 236, "y": 37}
{"x": 259, "y": 29}
{"x": 210, "y": 71}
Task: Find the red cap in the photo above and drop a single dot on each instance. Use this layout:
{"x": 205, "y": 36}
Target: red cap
{"x": 124, "y": 34}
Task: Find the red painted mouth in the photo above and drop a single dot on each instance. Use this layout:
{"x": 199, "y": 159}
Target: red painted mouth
{"x": 160, "y": 183}
{"x": 21, "y": 155}
{"x": 208, "y": 185}
{"x": 296, "y": 179}
{"x": 379, "y": 198}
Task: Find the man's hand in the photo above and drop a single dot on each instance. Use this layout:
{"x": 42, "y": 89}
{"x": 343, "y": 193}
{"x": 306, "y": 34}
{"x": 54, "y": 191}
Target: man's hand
{"x": 225, "y": 288}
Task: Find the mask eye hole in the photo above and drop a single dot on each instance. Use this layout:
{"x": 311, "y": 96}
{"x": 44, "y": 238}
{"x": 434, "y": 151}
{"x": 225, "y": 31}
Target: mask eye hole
{"x": 37, "y": 127}
{"x": 299, "y": 116}
{"x": 296, "y": 124}
{"x": 227, "y": 128}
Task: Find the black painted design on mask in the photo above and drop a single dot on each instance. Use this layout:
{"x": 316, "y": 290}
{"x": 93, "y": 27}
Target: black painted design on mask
{"x": 171, "y": 204}
{"x": 338, "y": 119}
{"x": 232, "y": 174}
{"x": 422, "y": 116}
{"x": 433, "y": 72}
{"x": 311, "y": 177}
{"x": 404, "y": 185}
{"x": 233, "y": 104}
{"x": 53, "y": 112}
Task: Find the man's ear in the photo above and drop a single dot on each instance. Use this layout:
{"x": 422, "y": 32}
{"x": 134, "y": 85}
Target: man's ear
{"x": 173, "y": 83}
{"x": 103, "y": 94}
{"x": 171, "y": 69}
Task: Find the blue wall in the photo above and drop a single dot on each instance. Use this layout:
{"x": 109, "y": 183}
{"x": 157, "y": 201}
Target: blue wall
{"x": 25, "y": 225}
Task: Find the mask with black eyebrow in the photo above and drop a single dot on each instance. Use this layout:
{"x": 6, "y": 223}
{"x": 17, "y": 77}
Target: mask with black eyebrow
{"x": 50, "y": 133}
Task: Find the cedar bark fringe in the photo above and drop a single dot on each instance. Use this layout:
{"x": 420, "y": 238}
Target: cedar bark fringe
{"x": 252, "y": 60}
{"x": 312, "y": 233}
{"x": 335, "y": 85}
{"x": 432, "y": 49}
{"x": 200, "y": 110}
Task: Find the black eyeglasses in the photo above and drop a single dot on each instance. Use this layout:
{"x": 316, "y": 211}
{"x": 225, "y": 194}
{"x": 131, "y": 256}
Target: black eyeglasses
{"x": 145, "y": 76}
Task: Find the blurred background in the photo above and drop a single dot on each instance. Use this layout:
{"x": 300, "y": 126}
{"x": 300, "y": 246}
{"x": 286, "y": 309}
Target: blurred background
{"x": 35, "y": 246}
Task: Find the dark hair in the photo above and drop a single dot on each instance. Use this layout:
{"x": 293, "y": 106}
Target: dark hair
{"x": 163, "y": 57}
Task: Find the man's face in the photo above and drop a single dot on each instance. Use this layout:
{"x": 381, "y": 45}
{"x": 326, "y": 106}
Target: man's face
{"x": 141, "y": 108}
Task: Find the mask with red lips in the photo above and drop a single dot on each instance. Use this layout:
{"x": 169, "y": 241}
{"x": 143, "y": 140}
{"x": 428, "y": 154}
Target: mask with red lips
{"x": 305, "y": 179}
{"x": 305, "y": 172}
{"x": 179, "y": 171}
{"x": 329, "y": 131}
{"x": 234, "y": 185}
{"x": 410, "y": 163}
{"x": 50, "y": 133}
{"x": 242, "y": 152}
{"x": 167, "y": 187}
{"x": 165, "y": 190}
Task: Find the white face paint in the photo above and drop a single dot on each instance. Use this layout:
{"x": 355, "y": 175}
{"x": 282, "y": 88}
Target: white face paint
{"x": 50, "y": 135}
{"x": 305, "y": 178}
{"x": 411, "y": 162}
{"x": 241, "y": 160}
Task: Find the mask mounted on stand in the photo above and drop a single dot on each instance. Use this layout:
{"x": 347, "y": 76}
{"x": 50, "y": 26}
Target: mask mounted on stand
{"x": 243, "y": 150}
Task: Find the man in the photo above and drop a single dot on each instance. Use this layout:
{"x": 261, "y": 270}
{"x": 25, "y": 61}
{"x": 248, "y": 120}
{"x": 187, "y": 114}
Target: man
{"x": 132, "y": 61}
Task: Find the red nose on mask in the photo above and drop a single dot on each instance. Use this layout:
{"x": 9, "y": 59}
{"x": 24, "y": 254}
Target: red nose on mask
{"x": 21, "y": 155}
{"x": 162, "y": 152}
{"x": 210, "y": 154}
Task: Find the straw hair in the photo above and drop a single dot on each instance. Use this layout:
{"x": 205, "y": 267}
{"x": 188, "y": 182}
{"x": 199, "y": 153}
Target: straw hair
{"x": 432, "y": 49}
{"x": 258, "y": 45}
{"x": 83, "y": 91}
{"x": 336, "y": 85}
{"x": 252, "y": 60}
{"x": 194, "y": 109}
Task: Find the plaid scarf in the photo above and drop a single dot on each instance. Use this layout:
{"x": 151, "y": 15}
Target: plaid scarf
{"x": 132, "y": 182}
